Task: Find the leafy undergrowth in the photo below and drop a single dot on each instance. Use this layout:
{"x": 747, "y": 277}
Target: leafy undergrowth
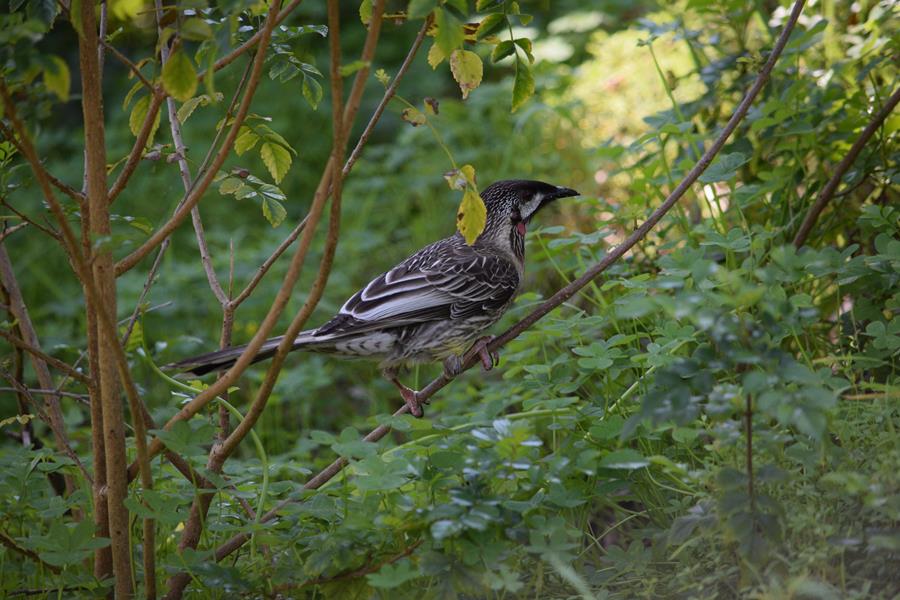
{"x": 610, "y": 455}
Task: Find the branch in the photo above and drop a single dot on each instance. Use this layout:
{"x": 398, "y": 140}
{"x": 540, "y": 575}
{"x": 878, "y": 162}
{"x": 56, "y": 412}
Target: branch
{"x": 12, "y": 545}
{"x": 568, "y": 291}
{"x": 828, "y": 191}
{"x": 37, "y": 352}
{"x": 57, "y": 183}
{"x": 140, "y": 142}
{"x": 197, "y": 192}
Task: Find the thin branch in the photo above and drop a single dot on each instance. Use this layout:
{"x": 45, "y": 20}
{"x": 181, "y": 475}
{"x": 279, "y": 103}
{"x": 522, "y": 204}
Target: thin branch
{"x": 264, "y": 268}
{"x": 12, "y": 545}
{"x": 827, "y": 192}
{"x": 128, "y": 63}
{"x": 568, "y": 291}
{"x": 56, "y": 182}
{"x": 157, "y": 95}
{"x": 37, "y": 352}
{"x": 55, "y": 392}
{"x": 198, "y": 190}
{"x": 250, "y": 43}
{"x": 50, "y": 232}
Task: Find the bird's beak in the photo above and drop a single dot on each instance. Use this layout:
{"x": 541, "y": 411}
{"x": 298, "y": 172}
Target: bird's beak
{"x": 561, "y": 192}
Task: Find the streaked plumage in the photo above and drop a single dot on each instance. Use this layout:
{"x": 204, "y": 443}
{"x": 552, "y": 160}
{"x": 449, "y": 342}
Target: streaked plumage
{"x": 434, "y": 304}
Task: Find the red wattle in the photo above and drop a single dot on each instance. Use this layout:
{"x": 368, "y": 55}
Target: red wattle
{"x": 520, "y": 227}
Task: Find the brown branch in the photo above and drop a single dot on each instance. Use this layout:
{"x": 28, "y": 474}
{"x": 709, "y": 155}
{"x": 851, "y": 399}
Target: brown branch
{"x": 137, "y": 150}
{"x": 568, "y": 291}
{"x": 54, "y": 391}
{"x": 250, "y": 43}
{"x": 56, "y": 182}
{"x": 128, "y": 63}
{"x": 29, "y": 336}
{"x": 37, "y": 352}
{"x": 197, "y": 191}
{"x": 12, "y": 545}
{"x": 26, "y": 219}
{"x": 267, "y": 264}
{"x": 828, "y": 191}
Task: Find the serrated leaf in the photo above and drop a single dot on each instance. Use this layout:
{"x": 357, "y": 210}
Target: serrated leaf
{"x": 136, "y": 339}
{"x": 230, "y": 185}
{"x": 179, "y": 76}
{"x": 365, "y": 12}
{"x": 130, "y": 95}
{"x": 277, "y": 160}
{"x": 490, "y": 24}
{"x": 382, "y": 77}
{"x": 467, "y": 70}
{"x": 523, "y": 88}
{"x": 435, "y": 56}
{"x": 471, "y": 216}
{"x": 502, "y": 50}
{"x": 418, "y": 9}
{"x": 724, "y": 167}
{"x": 450, "y": 34}
{"x": 312, "y": 91}
{"x": 273, "y": 211}
{"x": 57, "y": 78}
{"x": 246, "y": 140}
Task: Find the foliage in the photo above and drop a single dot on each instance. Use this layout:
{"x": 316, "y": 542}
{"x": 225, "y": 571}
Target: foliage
{"x": 716, "y": 417}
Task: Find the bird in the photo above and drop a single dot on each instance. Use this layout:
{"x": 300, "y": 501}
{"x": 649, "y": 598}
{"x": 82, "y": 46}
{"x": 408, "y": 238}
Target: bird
{"x": 431, "y": 306}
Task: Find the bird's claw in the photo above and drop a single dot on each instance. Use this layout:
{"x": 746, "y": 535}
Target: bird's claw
{"x": 489, "y": 360}
{"x": 411, "y": 398}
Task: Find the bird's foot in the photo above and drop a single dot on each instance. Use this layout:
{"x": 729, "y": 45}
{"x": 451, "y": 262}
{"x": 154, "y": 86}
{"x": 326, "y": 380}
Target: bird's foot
{"x": 489, "y": 360}
{"x": 411, "y": 398}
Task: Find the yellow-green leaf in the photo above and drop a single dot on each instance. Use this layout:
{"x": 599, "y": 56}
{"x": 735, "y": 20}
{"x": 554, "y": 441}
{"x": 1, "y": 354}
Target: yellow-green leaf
{"x": 450, "y": 33}
{"x": 137, "y": 117}
{"x": 471, "y": 216}
{"x": 245, "y": 140}
{"x": 273, "y": 211}
{"x": 382, "y": 77}
{"x": 461, "y": 178}
{"x": 125, "y": 10}
{"x": 467, "y": 70}
{"x": 56, "y": 78}
{"x": 365, "y": 12}
{"x": 277, "y": 160}
{"x": 413, "y": 116}
{"x": 435, "y": 55}
{"x": 523, "y": 88}
{"x": 179, "y": 76}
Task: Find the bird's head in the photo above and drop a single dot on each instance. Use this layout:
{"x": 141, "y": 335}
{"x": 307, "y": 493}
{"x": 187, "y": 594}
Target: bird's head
{"x": 510, "y": 206}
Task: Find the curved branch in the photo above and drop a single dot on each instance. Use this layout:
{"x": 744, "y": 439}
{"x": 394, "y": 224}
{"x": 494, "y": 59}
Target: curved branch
{"x": 831, "y": 187}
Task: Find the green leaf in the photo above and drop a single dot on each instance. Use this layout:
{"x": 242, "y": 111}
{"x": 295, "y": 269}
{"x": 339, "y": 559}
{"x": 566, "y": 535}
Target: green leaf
{"x": 393, "y": 575}
{"x": 626, "y": 459}
{"x": 420, "y": 8}
{"x": 450, "y": 34}
{"x": 246, "y": 140}
{"x": 352, "y": 67}
{"x": 138, "y": 115}
{"x": 490, "y": 24}
{"x": 724, "y": 167}
{"x": 413, "y": 116}
{"x": 467, "y": 70}
{"x": 57, "y": 78}
{"x": 312, "y": 91}
{"x": 179, "y": 76}
{"x": 435, "y": 56}
{"x": 471, "y": 216}
{"x": 195, "y": 29}
{"x": 230, "y": 185}
{"x": 42, "y": 10}
{"x": 502, "y": 50}
{"x": 277, "y": 160}
{"x": 273, "y": 211}
{"x": 365, "y": 12}
{"x": 523, "y": 88}
{"x": 525, "y": 45}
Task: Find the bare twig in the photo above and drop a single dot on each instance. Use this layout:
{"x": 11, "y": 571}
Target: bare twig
{"x": 37, "y": 352}
{"x": 827, "y": 192}
{"x": 267, "y": 264}
{"x": 26, "y": 219}
{"x": 56, "y": 182}
{"x": 137, "y": 150}
{"x": 128, "y": 63}
{"x": 54, "y": 391}
{"x": 568, "y": 291}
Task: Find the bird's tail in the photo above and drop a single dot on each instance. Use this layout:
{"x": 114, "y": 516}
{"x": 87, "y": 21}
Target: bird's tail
{"x": 224, "y": 359}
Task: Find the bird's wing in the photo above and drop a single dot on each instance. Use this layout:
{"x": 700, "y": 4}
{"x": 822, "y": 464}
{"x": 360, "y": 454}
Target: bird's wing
{"x": 447, "y": 280}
